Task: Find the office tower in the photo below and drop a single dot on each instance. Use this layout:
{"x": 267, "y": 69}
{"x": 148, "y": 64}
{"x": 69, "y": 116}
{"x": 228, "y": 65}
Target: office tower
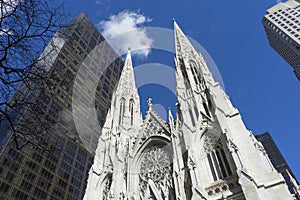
{"x": 205, "y": 153}
{"x": 279, "y": 162}
{"x": 282, "y": 26}
{"x": 55, "y": 162}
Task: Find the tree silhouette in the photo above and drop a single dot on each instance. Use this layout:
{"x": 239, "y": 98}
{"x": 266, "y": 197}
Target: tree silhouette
{"x": 30, "y": 36}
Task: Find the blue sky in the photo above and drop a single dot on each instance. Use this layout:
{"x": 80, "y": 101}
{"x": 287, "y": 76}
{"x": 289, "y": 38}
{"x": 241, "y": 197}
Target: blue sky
{"x": 259, "y": 82}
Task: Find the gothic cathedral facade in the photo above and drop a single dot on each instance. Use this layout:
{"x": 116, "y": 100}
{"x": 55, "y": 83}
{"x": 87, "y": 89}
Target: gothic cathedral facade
{"x": 205, "y": 153}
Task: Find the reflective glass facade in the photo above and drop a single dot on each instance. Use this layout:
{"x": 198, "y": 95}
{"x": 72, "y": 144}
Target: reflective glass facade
{"x": 51, "y": 160}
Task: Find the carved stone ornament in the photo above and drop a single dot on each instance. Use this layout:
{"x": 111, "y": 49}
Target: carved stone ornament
{"x": 210, "y": 141}
{"x": 152, "y": 128}
{"x": 155, "y": 164}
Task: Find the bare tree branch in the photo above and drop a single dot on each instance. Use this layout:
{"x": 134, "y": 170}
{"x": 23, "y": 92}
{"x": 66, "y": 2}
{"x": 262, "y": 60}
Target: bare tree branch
{"x": 26, "y": 29}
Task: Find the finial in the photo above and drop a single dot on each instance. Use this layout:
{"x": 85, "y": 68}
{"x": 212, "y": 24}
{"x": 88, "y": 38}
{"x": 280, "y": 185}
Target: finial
{"x": 170, "y": 113}
{"x": 149, "y": 103}
{"x": 129, "y": 48}
{"x": 174, "y": 20}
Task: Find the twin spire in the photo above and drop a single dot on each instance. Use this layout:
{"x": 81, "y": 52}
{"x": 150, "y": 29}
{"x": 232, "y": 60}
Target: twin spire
{"x": 126, "y": 87}
{"x": 181, "y": 43}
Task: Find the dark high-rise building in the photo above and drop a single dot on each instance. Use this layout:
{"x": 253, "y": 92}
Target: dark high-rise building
{"x": 279, "y": 162}
{"x": 47, "y": 157}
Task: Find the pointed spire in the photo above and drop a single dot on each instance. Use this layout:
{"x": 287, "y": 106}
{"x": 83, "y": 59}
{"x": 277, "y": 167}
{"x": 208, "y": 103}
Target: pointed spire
{"x": 181, "y": 41}
{"x": 185, "y": 51}
{"x": 127, "y": 81}
{"x": 128, "y": 61}
{"x": 126, "y": 101}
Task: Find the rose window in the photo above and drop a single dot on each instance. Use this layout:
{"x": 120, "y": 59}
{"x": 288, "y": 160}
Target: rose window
{"x": 155, "y": 164}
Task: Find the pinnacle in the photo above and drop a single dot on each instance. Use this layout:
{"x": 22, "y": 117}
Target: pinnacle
{"x": 126, "y": 81}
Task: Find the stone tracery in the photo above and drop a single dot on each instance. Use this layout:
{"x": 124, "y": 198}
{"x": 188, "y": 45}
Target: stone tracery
{"x": 156, "y": 166}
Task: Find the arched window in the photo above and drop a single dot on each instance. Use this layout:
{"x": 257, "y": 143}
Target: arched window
{"x": 218, "y": 163}
{"x": 131, "y": 110}
{"x": 154, "y": 176}
{"x": 185, "y": 76}
{"x": 106, "y": 188}
{"x": 122, "y": 111}
{"x": 211, "y": 166}
{"x": 208, "y": 97}
{"x": 195, "y": 72}
{"x": 206, "y": 109}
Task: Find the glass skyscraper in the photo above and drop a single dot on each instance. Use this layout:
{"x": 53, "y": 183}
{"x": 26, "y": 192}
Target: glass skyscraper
{"x": 49, "y": 160}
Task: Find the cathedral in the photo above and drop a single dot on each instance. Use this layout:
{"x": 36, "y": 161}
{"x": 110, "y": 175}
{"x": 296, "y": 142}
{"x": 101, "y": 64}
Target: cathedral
{"x": 204, "y": 152}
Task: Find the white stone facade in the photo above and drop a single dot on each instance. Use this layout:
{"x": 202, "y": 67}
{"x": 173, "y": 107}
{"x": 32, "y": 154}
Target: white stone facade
{"x": 205, "y": 153}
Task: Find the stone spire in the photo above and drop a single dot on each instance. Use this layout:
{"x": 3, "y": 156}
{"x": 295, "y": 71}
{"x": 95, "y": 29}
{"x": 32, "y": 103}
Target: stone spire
{"x": 186, "y": 52}
{"x": 206, "y": 154}
{"x": 126, "y": 84}
{"x": 122, "y": 124}
{"x": 192, "y": 78}
{"x": 125, "y": 107}
{"x": 181, "y": 42}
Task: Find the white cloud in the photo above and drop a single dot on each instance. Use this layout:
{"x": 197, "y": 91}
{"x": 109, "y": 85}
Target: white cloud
{"x": 126, "y": 30}
{"x": 98, "y": 2}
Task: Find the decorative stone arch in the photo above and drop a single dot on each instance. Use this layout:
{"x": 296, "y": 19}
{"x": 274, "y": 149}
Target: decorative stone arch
{"x": 192, "y": 62}
{"x": 106, "y": 186}
{"x": 100, "y": 184}
{"x": 218, "y": 156}
{"x": 122, "y": 110}
{"x": 152, "y": 162}
{"x": 131, "y": 110}
{"x": 210, "y": 137}
{"x": 148, "y": 143}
